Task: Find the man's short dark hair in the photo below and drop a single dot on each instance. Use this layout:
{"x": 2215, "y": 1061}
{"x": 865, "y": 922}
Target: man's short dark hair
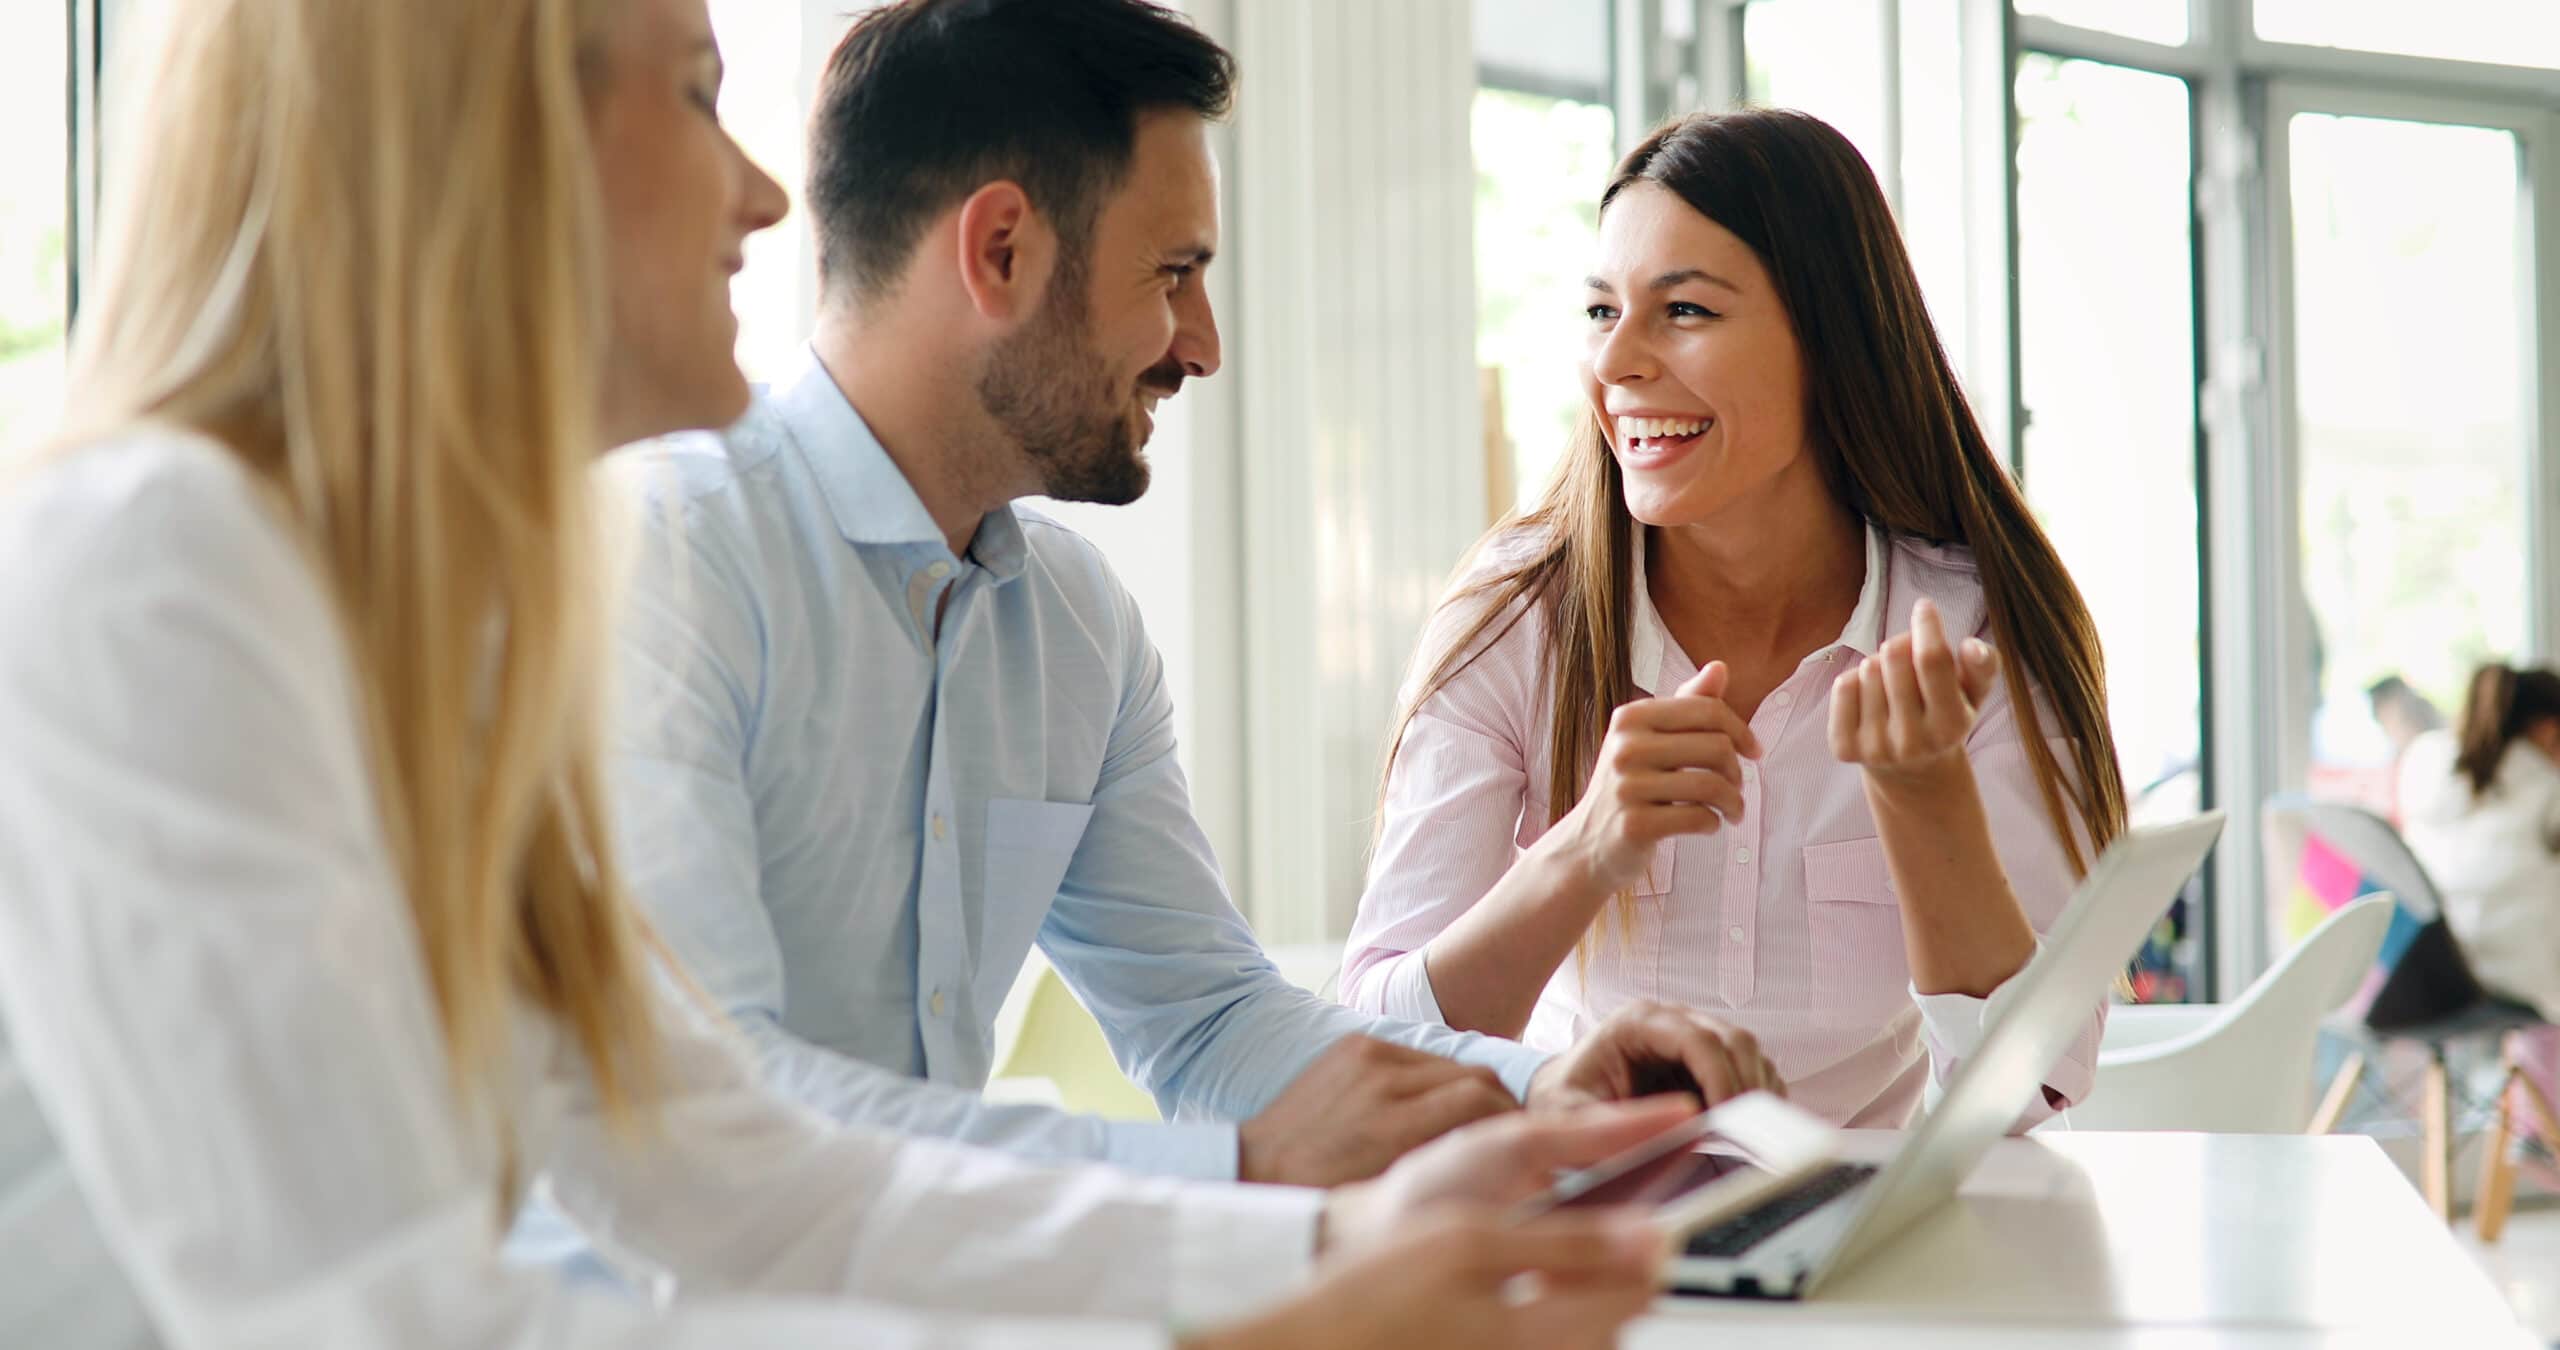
{"x": 926, "y": 101}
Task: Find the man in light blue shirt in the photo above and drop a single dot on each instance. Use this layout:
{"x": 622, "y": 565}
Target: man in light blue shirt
{"x": 880, "y": 731}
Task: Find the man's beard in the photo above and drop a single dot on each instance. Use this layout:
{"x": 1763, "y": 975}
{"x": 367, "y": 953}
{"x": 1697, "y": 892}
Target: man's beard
{"x": 1053, "y": 393}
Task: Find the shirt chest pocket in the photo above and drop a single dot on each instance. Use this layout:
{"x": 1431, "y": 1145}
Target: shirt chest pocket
{"x": 1860, "y": 975}
{"x": 1029, "y": 845}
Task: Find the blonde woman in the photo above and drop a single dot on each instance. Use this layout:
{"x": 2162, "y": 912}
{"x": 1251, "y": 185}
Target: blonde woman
{"x": 310, "y": 935}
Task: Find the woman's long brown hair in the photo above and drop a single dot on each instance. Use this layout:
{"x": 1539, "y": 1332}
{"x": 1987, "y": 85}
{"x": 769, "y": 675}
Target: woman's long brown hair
{"x": 1886, "y": 421}
{"x": 2502, "y": 704}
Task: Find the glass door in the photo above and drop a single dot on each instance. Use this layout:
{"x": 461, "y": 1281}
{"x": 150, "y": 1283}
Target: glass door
{"x": 2407, "y": 418}
{"x": 2107, "y": 323}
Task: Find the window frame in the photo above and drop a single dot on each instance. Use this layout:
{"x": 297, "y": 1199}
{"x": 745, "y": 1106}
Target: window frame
{"x": 2255, "y": 645}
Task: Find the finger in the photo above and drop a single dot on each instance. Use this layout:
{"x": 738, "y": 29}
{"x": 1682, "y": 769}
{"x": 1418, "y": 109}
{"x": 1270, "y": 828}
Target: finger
{"x": 1710, "y": 682}
{"x": 1599, "y": 1245}
{"x": 1875, "y": 714}
{"x": 1676, "y": 1037}
{"x": 1710, "y": 1063}
{"x": 1713, "y": 751}
{"x": 1902, "y": 691}
{"x": 1685, "y": 787}
{"x": 1664, "y": 822}
{"x": 1758, "y": 1071}
{"x": 1928, "y": 626}
{"x": 1941, "y": 683}
{"x": 1981, "y": 663}
{"x": 1464, "y": 1101}
{"x": 1592, "y": 1134}
{"x": 1577, "y": 1316}
{"x": 1694, "y": 713}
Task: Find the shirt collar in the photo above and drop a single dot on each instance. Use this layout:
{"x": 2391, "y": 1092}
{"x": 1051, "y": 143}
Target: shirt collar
{"x": 1873, "y": 618}
{"x": 868, "y": 496}
{"x": 1869, "y": 623}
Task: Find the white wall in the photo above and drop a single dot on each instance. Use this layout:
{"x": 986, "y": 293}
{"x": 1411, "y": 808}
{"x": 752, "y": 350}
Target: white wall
{"x": 1362, "y": 472}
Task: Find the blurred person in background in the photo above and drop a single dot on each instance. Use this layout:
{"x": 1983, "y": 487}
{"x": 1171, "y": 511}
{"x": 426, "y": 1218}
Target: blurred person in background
{"x": 2482, "y": 813}
{"x": 2410, "y": 722}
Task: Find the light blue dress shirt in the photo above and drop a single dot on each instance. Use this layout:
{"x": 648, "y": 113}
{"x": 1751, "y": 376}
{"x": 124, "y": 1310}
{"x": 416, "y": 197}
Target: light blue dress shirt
{"x": 853, "y": 818}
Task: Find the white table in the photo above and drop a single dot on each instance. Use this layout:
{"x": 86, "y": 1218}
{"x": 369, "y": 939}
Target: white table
{"x": 2142, "y": 1242}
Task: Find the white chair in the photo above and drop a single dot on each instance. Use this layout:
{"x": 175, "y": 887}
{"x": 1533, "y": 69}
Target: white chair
{"x": 2234, "y": 1068}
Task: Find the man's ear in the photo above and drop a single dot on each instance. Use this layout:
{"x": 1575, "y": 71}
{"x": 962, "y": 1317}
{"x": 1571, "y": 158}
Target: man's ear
{"x": 1006, "y": 252}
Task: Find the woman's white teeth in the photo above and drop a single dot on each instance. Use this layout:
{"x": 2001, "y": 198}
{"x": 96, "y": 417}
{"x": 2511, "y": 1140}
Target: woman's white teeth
{"x": 1656, "y": 428}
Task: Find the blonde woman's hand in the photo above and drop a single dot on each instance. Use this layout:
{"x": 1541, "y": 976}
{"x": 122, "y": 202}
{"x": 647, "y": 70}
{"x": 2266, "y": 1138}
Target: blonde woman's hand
{"x": 1903, "y": 713}
{"x": 1491, "y": 1165}
{"x": 1669, "y": 766}
{"x": 1465, "y": 1280}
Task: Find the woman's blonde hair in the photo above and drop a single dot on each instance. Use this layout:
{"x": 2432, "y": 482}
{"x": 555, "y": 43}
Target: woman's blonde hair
{"x": 358, "y": 244}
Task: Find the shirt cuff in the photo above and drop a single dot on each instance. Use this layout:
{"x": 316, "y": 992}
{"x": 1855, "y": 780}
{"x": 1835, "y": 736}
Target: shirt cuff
{"x": 1953, "y": 1023}
{"x": 1237, "y": 1249}
{"x": 1515, "y": 1064}
{"x": 1406, "y": 991}
{"x": 1197, "y": 1151}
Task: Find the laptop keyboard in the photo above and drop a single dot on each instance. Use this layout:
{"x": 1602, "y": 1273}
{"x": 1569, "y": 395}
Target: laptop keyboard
{"x": 1745, "y": 1231}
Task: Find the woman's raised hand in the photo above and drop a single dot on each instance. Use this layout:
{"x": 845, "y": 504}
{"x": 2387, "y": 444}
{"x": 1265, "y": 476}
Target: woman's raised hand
{"x": 1669, "y": 766}
{"x": 1906, "y": 710}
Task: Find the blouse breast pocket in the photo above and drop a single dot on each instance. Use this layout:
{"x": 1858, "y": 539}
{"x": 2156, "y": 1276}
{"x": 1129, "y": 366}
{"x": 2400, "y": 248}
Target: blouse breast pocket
{"x": 1860, "y": 975}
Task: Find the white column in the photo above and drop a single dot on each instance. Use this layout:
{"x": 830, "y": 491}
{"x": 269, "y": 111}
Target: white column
{"x": 1352, "y": 350}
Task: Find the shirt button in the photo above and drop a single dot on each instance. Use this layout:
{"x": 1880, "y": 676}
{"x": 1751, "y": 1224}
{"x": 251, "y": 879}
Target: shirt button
{"x": 1748, "y": 774}
{"x": 939, "y": 827}
{"x": 938, "y": 571}
{"x": 1781, "y": 699}
{"x": 937, "y": 1003}
{"x": 1734, "y": 932}
{"x": 1742, "y": 855}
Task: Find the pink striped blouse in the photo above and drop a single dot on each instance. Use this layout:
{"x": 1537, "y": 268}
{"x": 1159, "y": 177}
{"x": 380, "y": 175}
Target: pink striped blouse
{"x": 1785, "y": 924}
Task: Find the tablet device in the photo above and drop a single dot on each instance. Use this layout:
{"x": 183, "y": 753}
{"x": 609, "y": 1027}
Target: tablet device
{"x": 1713, "y": 1164}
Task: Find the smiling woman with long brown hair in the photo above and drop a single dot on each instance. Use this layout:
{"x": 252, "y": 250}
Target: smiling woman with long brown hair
{"x": 1779, "y": 705}
{"x": 311, "y": 938}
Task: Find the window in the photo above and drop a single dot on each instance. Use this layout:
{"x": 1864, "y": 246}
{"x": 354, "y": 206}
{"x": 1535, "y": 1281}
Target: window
{"x": 2106, "y": 285}
{"x": 1825, "y": 57}
{"x": 1544, "y": 143}
{"x": 34, "y": 211}
{"x": 2408, "y": 403}
{"x": 764, "y": 103}
{"x": 2162, "y": 21}
{"x": 1541, "y": 163}
{"x": 2507, "y": 32}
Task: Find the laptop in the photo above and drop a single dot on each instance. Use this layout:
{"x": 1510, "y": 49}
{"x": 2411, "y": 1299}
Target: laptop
{"x": 1821, "y": 1220}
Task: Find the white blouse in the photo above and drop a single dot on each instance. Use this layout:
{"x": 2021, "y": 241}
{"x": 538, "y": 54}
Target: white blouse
{"x": 2496, "y": 858}
{"x": 216, "y": 993}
